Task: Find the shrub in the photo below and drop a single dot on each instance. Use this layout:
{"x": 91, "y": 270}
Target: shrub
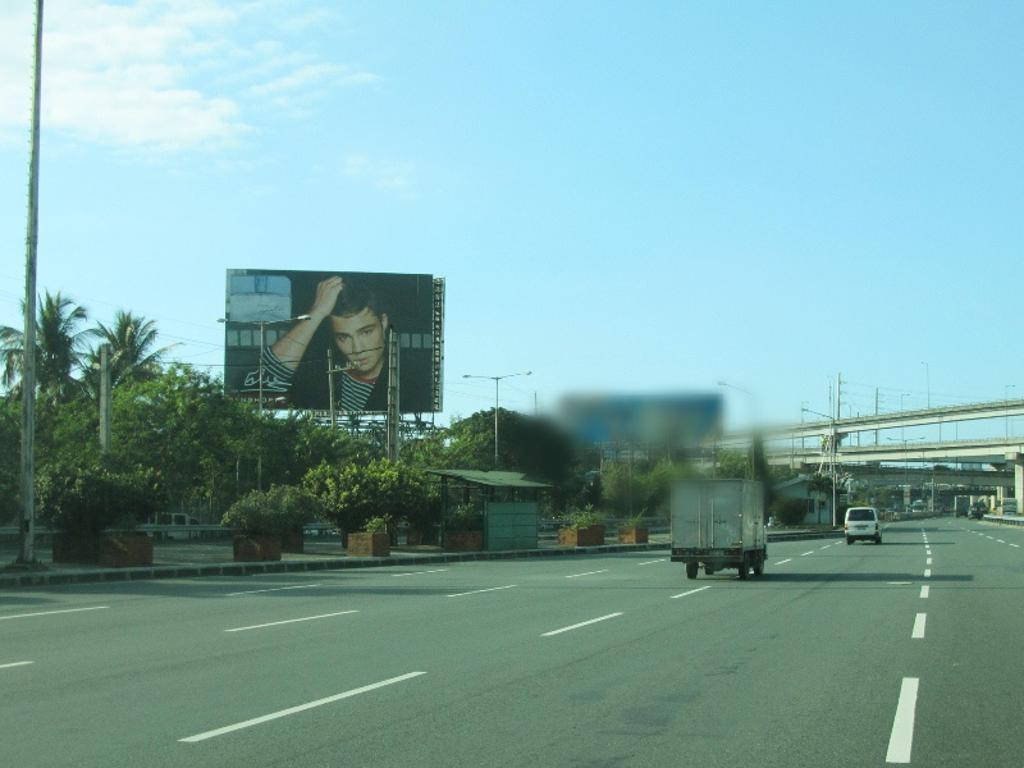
{"x": 281, "y": 509}
{"x": 86, "y": 500}
{"x": 636, "y": 521}
{"x": 352, "y": 494}
{"x": 584, "y": 518}
{"x": 464, "y": 517}
{"x": 789, "y": 511}
{"x": 377, "y": 524}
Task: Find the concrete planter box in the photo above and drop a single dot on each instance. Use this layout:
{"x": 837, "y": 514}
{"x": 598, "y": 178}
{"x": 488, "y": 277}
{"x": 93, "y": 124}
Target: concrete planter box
{"x": 76, "y": 548}
{"x": 593, "y": 536}
{"x": 634, "y": 535}
{"x": 116, "y": 550}
{"x": 293, "y": 542}
{"x": 126, "y": 550}
{"x": 369, "y": 544}
{"x": 257, "y": 548}
{"x": 464, "y": 541}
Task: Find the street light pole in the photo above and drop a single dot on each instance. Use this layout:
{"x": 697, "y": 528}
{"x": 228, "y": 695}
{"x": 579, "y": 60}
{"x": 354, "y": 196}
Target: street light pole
{"x": 496, "y": 380}
{"x": 753, "y": 435}
{"x": 27, "y": 532}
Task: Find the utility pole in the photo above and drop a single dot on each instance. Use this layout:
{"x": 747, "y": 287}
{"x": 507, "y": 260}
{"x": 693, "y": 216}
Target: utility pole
{"x": 330, "y": 385}
{"x": 27, "y": 555}
{"x": 394, "y": 412}
{"x": 105, "y": 397}
{"x": 876, "y": 413}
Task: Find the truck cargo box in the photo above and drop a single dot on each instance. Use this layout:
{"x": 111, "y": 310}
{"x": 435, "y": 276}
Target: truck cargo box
{"x": 718, "y": 524}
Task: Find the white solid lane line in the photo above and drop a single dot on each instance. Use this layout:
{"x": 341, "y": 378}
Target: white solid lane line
{"x": 783, "y": 562}
{"x": 691, "y": 592}
{"x": 16, "y": 664}
{"x": 419, "y": 573}
{"x": 295, "y": 710}
{"x": 479, "y": 591}
{"x": 272, "y": 589}
{"x": 924, "y": 591}
{"x": 919, "y": 622}
{"x": 581, "y": 624}
{"x": 289, "y": 621}
{"x": 902, "y": 737}
{"x": 54, "y": 613}
{"x": 588, "y": 573}
{"x": 652, "y": 562}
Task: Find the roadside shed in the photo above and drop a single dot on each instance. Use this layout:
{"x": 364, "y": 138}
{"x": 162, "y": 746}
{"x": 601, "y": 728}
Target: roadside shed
{"x": 504, "y": 506}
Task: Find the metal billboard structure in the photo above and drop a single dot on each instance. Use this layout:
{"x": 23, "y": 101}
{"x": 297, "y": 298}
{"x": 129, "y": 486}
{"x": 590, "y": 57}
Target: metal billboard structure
{"x": 319, "y": 341}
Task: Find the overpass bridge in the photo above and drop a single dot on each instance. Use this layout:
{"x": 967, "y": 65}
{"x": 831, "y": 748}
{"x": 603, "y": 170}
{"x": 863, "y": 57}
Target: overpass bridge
{"x": 1002, "y": 453}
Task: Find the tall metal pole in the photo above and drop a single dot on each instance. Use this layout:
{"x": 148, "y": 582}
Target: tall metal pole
{"x": 27, "y": 554}
{"x": 496, "y": 380}
{"x": 330, "y": 385}
{"x": 259, "y": 454}
{"x": 105, "y": 395}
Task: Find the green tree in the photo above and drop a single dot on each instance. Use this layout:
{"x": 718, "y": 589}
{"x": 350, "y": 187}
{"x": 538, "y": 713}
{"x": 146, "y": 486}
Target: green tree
{"x": 282, "y": 509}
{"x": 60, "y": 348}
{"x": 353, "y": 493}
{"x": 134, "y": 354}
{"x": 733, "y": 464}
{"x": 194, "y": 438}
{"x": 534, "y": 446}
{"x": 10, "y": 467}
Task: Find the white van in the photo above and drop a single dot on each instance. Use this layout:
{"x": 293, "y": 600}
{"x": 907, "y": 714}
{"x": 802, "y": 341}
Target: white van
{"x": 862, "y": 523}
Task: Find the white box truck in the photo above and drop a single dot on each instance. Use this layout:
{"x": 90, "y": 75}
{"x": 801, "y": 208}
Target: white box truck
{"x": 718, "y": 524}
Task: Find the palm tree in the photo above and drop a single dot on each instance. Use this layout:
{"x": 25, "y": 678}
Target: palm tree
{"x": 133, "y": 356}
{"x": 60, "y": 348}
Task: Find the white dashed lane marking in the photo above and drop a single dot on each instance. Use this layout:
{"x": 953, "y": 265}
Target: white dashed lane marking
{"x": 901, "y": 740}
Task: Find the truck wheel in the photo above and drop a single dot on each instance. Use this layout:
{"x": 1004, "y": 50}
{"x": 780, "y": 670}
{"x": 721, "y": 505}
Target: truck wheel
{"x": 849, "y": 540}
{"x": 745, "y": 567}
{"x": 691, "y": 570}
{"x": 759, "y": 564}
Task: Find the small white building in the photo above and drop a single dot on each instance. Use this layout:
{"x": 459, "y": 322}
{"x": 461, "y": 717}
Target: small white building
{"x": 819, "y": 503}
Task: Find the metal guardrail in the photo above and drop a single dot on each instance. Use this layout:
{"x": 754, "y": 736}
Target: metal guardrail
{"x": 1004, "y": 519}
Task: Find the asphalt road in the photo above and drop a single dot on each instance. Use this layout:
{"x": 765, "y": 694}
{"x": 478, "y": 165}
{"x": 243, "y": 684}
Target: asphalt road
{"x": 840, "y": 655}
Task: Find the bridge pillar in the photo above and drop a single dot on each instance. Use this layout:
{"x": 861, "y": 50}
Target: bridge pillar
{"x": 1018, "y": 477}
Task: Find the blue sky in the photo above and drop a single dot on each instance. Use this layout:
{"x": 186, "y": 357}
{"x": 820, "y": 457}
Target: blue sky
{"x": 622, "y": 197}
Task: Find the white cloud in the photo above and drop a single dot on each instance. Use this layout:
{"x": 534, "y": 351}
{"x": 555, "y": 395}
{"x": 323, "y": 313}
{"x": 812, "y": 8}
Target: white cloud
{"x": 162, "y": 74}
{"x": 311, "y": 74}
{"x": 388, "y": 176}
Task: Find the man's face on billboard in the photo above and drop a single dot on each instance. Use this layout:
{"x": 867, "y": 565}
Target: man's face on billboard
{"x": 360, "y": 338}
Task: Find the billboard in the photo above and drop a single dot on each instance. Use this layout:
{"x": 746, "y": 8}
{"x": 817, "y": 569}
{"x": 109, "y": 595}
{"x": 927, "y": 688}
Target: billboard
{"x": 296, "y": 337}
{"x": 678, "y": 420}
